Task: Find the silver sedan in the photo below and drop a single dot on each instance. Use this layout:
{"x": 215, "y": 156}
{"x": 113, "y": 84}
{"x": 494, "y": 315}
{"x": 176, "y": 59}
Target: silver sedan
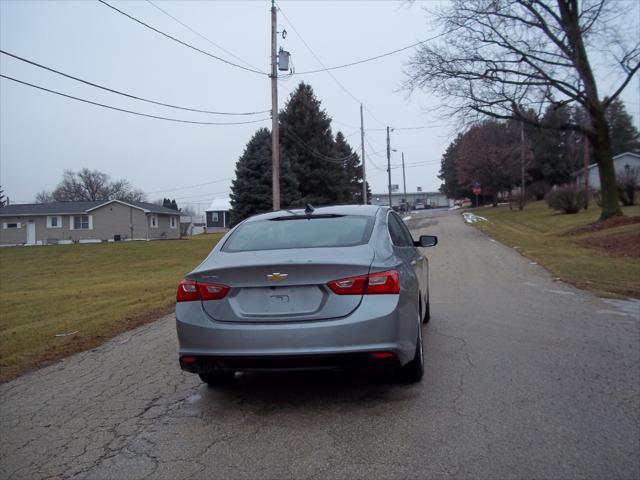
{"x": 324, "y": 288}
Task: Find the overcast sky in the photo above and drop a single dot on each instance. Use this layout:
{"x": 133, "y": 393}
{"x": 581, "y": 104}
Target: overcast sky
{"x": 42, "y": 134}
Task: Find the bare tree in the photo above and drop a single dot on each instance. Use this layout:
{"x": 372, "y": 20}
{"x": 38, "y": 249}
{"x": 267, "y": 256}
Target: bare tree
{"x": 502, "y": 58}
{"x": 44, "y": 197}
{"x": 122, "y": 190}
{"x": 91, "y": 185}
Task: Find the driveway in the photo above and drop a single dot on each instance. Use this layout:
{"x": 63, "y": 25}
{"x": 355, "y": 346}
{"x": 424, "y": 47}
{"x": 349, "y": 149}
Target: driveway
{"x": 525, "y": 377}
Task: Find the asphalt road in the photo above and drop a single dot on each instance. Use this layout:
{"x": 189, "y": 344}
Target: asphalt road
{"x": 526, "y": 378}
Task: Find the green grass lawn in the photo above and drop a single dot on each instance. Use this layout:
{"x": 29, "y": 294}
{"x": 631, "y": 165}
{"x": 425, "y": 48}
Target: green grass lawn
{"x": 99, "y": 290}
{"x": 541, "y": 234}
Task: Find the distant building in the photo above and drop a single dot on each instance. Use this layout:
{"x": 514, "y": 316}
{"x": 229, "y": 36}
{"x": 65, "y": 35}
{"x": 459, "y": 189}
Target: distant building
{"x": 422, "y": 199}
{"x": 86, "y": 222}
{"x": 218, "y": 215}
{"x": 192, "y": 224}
{"x": 620, "y": 163}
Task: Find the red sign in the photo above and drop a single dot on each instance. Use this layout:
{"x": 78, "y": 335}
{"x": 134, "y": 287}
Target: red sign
{"x": 477, "y": 190}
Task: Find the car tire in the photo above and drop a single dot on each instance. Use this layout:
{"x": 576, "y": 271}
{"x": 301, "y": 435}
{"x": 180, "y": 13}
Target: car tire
{"x": 217, "y": 378}
{"x": 413, "y": 371}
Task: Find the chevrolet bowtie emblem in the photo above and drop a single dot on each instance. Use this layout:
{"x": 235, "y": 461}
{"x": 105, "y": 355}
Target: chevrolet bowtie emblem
{"x": 276, "y": 277}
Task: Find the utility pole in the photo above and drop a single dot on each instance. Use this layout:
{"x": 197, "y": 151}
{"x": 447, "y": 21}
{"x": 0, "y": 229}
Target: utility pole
{"x": 364, "y": 171}
{"x": 275, "y": 134}
{"x": 522, "y": 192}
{"x": 404, "y": 184}
{"x": 586, "y": 172}
{"x": 389, "y": 166}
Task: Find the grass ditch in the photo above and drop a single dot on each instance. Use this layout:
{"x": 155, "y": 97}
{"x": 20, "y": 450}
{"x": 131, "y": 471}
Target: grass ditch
{"x": 602, "y": 258}
{"x": 96, "y": 290}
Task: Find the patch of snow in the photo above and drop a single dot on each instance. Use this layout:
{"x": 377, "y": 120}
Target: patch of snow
{"x": 472, "y": 218}
{"x": 629, "y": 307}
{"x": 561, "y": 292}
{"x": 612, "y": 312}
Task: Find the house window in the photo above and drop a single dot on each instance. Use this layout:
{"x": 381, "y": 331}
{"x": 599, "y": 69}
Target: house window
{"x": 81, "y": 222}
{"x": 153, "y": 221}
{"x": 214, "y": 216}
{"x": 54, "y": 221}
{"x": 172, "y": 222}
{"x": 11, "y": 225}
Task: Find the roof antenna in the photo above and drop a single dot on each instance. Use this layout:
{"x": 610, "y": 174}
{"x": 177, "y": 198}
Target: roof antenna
{"x": 309, "y": 209}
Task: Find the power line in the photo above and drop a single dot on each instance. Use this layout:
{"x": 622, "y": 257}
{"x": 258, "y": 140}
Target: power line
{"x": 128, "y": 111}
{"x": 317, "y": 154}
{"x": 189, "y": 186}
{"x": 325, "y": 69}
{"x": 203, "y": 195}
{"x": 203, "y": 37}
{"x": 421, "y": 127}
{"x": 376, "y": 57}
{"x": 204, "y": 52}
{"x": 135, "y": 97}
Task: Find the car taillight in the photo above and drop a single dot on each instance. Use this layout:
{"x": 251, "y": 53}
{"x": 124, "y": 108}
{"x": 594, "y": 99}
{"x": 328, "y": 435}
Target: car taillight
{"x": 212, "y": 291}
{"x": 189, "y": 291}
{"x": 383, "y": 282}
{"x": 374, "y": 284}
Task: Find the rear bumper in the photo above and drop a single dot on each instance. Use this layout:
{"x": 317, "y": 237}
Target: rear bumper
{"x": 382, "y": 323}
{"x": 211, "y": 364}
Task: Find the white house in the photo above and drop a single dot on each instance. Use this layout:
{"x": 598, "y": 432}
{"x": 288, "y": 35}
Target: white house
{"x": 620, "y": 163}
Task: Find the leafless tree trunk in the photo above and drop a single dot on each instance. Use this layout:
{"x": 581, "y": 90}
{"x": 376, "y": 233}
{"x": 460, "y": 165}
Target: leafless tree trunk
{"x": 510, "y": 59}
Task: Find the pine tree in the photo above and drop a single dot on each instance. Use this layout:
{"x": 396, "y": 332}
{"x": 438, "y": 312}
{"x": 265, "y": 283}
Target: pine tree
{"x": 353, "y": 169}
{"x": 251, "y": 190}
{"x": 556, "y": 153}
{"x": 449, "y": 174}
{"x": 624, "y": 135}
{"x": 307, "y": 143}
{"x": 166, "y": 203}
{"x": 3, "y": 199}
{"x": 174, "y": 205}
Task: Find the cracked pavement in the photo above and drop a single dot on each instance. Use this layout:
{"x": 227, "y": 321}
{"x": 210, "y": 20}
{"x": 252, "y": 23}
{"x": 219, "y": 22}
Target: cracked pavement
{"x": 525, "y": 377}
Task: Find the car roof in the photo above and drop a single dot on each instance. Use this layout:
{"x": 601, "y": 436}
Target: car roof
{"x": 365, "y": 210}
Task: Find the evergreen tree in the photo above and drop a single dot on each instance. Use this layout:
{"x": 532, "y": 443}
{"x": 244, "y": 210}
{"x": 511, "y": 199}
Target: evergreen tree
{"x": 166, "y": 203}
{"x": 174, "y": 205}
{"x": 556, "y": 153}
{"x": 624, "y": 135}
{"x": 448, "y": 173}
{"x": 3, "y": 199}
{"x": 307, "y": 143}
{"x": 251, "y": 190}
{"x": 353, "y": 169}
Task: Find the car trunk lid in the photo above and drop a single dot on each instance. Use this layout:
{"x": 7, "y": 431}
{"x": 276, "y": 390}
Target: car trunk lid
{"x": 283, "y": 285}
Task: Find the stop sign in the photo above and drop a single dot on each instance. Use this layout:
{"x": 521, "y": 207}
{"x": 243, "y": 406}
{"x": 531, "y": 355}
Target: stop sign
{"x": 477, "y": 190}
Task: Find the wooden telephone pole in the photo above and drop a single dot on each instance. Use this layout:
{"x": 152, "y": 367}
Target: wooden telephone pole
{"x": 275, "y": 134}
{"x": 364, "y": 171}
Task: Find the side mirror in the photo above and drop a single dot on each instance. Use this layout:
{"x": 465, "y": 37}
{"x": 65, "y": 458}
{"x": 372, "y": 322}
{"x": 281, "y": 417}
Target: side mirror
{"x": 426, "y": 241}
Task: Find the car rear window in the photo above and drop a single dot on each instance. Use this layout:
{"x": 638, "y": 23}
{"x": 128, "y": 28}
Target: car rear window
{"x": 304, "y": 232}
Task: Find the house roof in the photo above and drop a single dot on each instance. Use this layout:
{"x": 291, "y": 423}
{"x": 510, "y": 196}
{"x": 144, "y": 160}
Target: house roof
{"x": 70, "y": 208}
{"x": 220, "y": 204}
{"x": 616, "y": 157}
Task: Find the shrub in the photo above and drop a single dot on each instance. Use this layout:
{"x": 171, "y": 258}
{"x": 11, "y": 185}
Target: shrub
{"x": 627, "y": 183}
{"x": 538, "y": 189}
{"x": 567, "y": 198}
